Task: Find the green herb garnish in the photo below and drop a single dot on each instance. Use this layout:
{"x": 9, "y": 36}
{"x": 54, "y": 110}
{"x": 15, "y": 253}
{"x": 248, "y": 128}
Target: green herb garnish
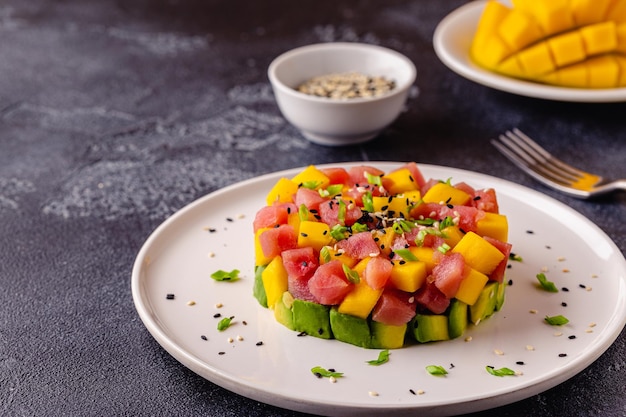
{"x": 436, "y": 370}
{"x": 368, "y": 202}
{"x": 373, "y": 179}
{"x": 556, "y": 320}
{"x": 338, "y": 232}
{"x": 402, "y": 226}
{"x": 406, "y": 254}
{"x": 515, "y": 257}
{"x": 341, "y": 213}
{"x": 359, "y": 227}
{"x": 303, "y": 213}
{"x": 500, "y": 372}
{"x": 545, "y": 284}
{"x": 311, "y": 185}
{"x": 320, "y": 372}
{"x": 325, "y": 254}
{"x": 225, "y": 323}
{"x": 351, "y": 274}
{"x": 444, "y": 248}
{"x": 221, "y": 275}
{"x": 383, "y": 357}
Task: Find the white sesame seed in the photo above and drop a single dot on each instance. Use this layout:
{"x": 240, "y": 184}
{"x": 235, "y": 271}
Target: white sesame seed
{"x": 589, "y": 331}
{"x": 211, "y": 254}
{"x": 191, "y": 303}
{"x": 240, "y": 338}
{"x": 592, "y": 324}
{"x": 561, "y": 258}
{"x": 420, "y": 391}
{"x": 230, "y": 340}
{"x": 519, "y": 373}
{"x": 241, "y": 216}
{"x": 565, "y": 270}
{"x": 530, "y": 347}
{"x": 558, "y": 334}
{"x": 544, "y": 269}
{"x": 332, "y": 379}
{"x": 219, "y": 305}
{"x": 532, "y": 311}
{"x": 373, "y": 394}
{"x": 498, "y": 352}
{"x": 588, "y": 289}
{"x": 468, "y": 339}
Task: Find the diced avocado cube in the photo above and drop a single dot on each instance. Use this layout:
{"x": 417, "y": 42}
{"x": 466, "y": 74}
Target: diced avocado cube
{"x": 259, "y": 290}
{"x": 486, "y": 303}
{"x": 283, "y": 312}
{"x": 430, "y": 327}
{"x": 350, "y": 329}
{"x": 387, "y": 336}
{"x": 500, "y": 296}
{"x": 312, "y": 318}
{"x": 457, "y": 318}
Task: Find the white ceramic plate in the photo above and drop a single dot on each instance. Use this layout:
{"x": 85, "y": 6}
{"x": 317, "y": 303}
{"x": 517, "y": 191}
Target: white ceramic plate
{"x": 181, "y": 254}
{"x": 452, "y": 40}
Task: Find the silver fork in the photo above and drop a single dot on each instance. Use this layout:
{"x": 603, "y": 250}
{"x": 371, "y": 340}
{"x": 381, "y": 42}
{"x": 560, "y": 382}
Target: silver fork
{"x": 537, "y": 162}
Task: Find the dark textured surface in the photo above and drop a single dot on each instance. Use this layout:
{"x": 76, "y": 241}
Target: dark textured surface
{"x": 114, "y": 114}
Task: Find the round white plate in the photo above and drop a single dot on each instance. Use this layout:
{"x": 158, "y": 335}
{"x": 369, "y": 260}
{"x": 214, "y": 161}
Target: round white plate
{"x": 215, "y": 232}
{"x": 452, "y": 40}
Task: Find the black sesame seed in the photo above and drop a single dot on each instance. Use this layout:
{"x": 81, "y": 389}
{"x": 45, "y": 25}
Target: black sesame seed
{"x": 519, "y": 362}
{"x": 572, "y": 337}
{"x": 317, "y": 374}
{"x": 170, "y": 296}
{"x": 402, "y": 262}
{"x": 510, "y": 282}
{"x": 304, "y": 235}
{"x": 203, "y": 337}
{"x": 212, "y": 230}
{"x": 564, "y": 304}
{"x": 530, "y": 232}
{"x": 217, "y": 315}
{"x": 562, "y": 355}
{"x": 565, "y": 289}
{"x": 228, "y": 219}
{"x": 477, "y": 198}
{"x": 245, "y": 323}
{"x": 450, "y": 206}
{"x": 582, "y": 285}
{"x": 412, "y": 392}
{"x": 301, "y": 334}
{"x": 259, "y": 343}
{"x": 221, "y": 353}
{"x": 320, "y": 331}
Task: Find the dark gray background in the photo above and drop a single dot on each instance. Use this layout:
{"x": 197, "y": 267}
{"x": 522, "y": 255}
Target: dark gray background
{"x": 115, "y": 114}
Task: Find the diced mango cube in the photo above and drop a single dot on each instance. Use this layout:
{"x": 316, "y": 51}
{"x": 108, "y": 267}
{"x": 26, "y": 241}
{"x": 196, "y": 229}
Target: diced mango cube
{"x": 492, "y": 15}
{"x": 494, "y": 52}
{"x": 471, "y": 286}
{"x": 603, "y": 71}
{"x": 599, "y": 38}
{"x": 511, "y": 67}
{"x": 360, "y": 265}
{"x": 392, "y": 205}
{"x": 452, "y": 235}
{"x": 314, "y": 234}
{"x": 536, "y": 60}
{"x": 408, "y": 276}
{"x": 620, "y": 32}
{"x": 576, "y": 75}
{"x": 384, "y": 239}
{"x": 621, "y": 62}
{"x": 400, "y": 181}
{"x": 587, "y": 12}
{"x": 518, "y": 30}
{"x": 312, "y": 177}
{"x": 282, "y": 192}
{"x": 553, "y": 16}
{"x": 478, "y": 253}
{"x": 617, "y": 12}
{"x": 567, "y": 48}
{"x": 425, "y": 255}
{"x": 446, "y": 194}
{"x": 274, "y": 280}
{"x": 493, "y": 225}
{"x": 259, "y": 256}
{"x": 360, "y": 301}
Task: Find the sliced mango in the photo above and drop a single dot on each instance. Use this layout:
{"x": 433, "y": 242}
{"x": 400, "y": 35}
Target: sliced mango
{"x": 471, "y": 286}
{"x": 274, "y": 280}
{"x": 545, "y": 40}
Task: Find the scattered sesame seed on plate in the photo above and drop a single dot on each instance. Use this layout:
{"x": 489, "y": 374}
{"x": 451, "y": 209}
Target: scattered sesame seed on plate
{"x": 191, "y": 303}
{"x": 498, "y": 352}
{"x": 373, "y": 394}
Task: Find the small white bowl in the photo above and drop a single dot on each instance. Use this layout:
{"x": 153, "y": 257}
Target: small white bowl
{"x": 331, "y": 121}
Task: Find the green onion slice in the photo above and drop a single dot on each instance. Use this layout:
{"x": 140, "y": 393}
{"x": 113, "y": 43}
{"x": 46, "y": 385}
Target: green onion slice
{"x": 221, "y": 275}
{"x": 383, "y": 357}
{"x": 545, "y": 284}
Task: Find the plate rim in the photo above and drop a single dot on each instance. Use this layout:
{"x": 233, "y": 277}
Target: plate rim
{"x": 460, "y": 21}
{"x": 231, "y": 383}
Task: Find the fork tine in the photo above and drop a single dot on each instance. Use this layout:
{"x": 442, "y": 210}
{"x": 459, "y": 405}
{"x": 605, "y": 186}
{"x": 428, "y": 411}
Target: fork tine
{"x": 527, "y": 157}
{"x": 577, "y": 173}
